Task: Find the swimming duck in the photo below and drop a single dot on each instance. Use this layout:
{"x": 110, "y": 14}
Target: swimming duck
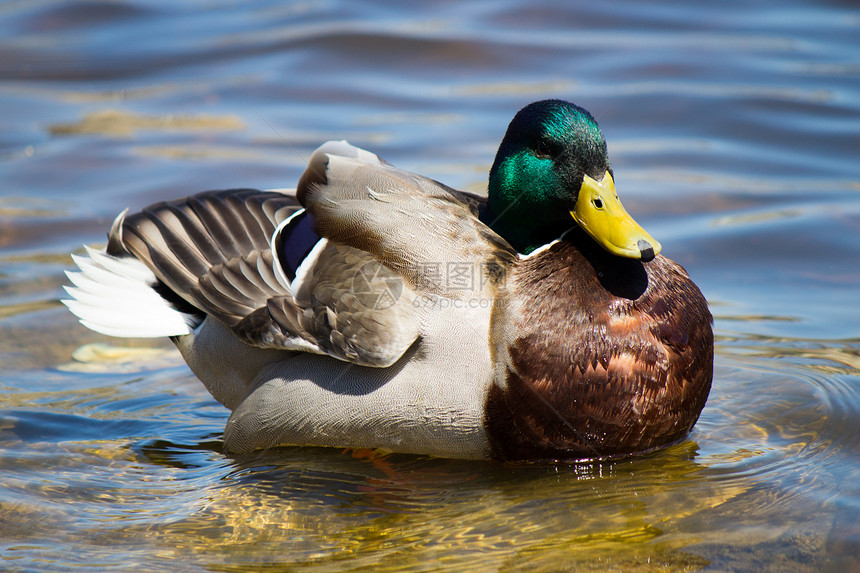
{"x": 375, "y": 308}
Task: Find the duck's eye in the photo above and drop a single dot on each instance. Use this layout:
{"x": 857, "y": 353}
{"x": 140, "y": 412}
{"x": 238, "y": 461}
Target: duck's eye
{"x": 542, "y": 151}
{"x": 597, "y": 202}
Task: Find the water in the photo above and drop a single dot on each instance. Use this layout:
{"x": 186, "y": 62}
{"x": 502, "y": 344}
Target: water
{"x": 733, "y": 130}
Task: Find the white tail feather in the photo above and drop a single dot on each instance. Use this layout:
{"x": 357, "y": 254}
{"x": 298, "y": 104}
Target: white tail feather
{"x": 114, "y": 296}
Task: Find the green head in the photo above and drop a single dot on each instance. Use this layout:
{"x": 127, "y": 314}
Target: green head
{"x": 552, "y": 171}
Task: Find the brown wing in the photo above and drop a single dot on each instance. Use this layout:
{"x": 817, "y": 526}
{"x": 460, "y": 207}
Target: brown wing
{"x": 212, "y": 251}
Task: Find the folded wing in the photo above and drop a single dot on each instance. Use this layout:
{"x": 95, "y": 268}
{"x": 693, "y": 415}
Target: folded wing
{"x": 340, "y": 279}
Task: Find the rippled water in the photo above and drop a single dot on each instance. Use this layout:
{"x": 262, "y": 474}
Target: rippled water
{"x": 734, "y": 131}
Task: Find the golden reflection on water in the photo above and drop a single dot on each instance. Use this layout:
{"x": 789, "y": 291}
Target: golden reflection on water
{"x": 390, "y": 512}
{"x": 101, "y": 357}
{"x": 120, "y": 123}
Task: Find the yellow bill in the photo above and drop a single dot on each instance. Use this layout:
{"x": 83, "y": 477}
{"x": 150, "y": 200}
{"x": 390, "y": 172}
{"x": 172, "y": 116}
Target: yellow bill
{"x": 600, "y": 213}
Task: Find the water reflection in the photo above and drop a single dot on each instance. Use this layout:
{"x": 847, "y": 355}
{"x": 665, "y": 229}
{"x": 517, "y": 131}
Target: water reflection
{"x": 387, "y": 511}
{"x": 328, "y": 505}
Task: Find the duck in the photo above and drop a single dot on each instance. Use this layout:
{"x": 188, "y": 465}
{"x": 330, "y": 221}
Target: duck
{"x": 372, "y": 307}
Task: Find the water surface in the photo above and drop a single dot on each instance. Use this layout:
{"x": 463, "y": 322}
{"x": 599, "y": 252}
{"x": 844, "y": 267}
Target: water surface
{"x": 733, "y": 131}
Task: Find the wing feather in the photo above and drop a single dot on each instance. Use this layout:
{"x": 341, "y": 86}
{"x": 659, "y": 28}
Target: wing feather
{"x": 410, "y": 223}
{"x": 213, "y": 250}
{"x": 380, "y": 229}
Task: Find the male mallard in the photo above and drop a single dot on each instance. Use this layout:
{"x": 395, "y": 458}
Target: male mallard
{"x": 372, "y": 307}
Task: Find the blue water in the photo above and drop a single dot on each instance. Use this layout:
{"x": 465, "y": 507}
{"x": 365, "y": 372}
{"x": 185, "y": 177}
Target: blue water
{"x": 734, "y": 133}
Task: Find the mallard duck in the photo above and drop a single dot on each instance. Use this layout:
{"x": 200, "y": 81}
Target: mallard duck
{"x": 375, "y": 308}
